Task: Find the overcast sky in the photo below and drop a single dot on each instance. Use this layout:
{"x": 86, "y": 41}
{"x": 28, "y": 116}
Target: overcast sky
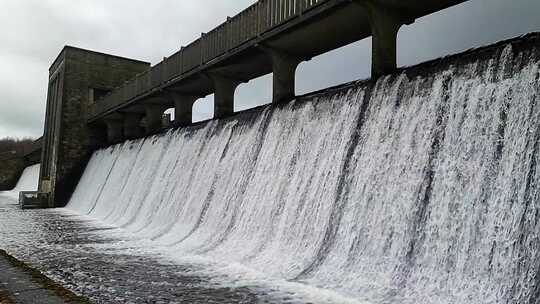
{"x": 34, "y": 31}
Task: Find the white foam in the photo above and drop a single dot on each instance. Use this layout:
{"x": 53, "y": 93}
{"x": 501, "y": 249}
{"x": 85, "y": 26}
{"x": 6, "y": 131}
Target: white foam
{"x": 27, "y": 182}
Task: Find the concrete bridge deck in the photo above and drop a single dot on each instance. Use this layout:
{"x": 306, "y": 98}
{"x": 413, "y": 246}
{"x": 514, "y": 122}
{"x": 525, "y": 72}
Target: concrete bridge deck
{"x": 271, "y": 36}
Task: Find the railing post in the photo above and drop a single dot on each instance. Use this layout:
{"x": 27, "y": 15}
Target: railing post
{"x": 271, "y": 5}
{"x": 182, "y": 67}
{"x": 148, "y": 81}
{"x": 264, "y": 10}
{"x": 202, "y": 47}
{"x": 228, "y": 33}
{"x": 164, "y": 69}
{"x": 278, "y": 11}
{"x": 258, "y": 22}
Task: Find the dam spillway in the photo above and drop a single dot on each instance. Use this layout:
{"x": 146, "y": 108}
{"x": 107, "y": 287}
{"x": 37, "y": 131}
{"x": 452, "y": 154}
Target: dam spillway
{"x": 421, "y": 187}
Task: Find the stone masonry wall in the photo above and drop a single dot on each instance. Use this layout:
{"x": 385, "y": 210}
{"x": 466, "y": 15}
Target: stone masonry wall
{"x": 84, "y": 70}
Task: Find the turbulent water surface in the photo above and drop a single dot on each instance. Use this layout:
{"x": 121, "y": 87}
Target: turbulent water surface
{"x": 416, "y": 189}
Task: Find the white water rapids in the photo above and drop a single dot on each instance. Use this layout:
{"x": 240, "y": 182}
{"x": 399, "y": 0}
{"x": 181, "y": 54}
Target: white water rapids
{"x": 411, "y": 190}
{"x": 27, "y": 182}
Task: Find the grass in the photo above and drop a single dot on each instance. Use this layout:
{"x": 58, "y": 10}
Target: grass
{"x": 42, "y": 280}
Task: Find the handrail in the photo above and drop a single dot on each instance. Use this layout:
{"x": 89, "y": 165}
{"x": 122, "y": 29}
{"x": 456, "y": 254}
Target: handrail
{"x": 257, "y": 19}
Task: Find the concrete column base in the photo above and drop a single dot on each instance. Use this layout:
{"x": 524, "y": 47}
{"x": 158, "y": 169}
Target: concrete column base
{"x": 224, "y": 89}
{"x": 183, "y": 108}
{"x": 153, "y": 118}
{"x": 132, "y": 126}
{"x": 115, "y": 130}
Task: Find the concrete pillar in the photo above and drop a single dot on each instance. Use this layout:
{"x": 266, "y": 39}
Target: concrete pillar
{"x": 153, "y": 118}
{"x": 166, "y": 120}
{"x": 115, "y": 130}
{"x": 132, "y": 125}
{"x": 284, "y": 74}
{"x": 385, "y": 25}
{"x": 183, "y": 108}
{"x": 224, "y": 89}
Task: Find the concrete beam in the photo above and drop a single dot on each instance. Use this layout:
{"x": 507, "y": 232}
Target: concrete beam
{"x": 153, "y": 118}
{"x": 115, "y": 129}
{"x": 183, "y": 108}
{"x": 385, "y": 24}
{"x": 132, "y": 125}
{"x": 284, "y": 67}
{"x": 224, "y": 89}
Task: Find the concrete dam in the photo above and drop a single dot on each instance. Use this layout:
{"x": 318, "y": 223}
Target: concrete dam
{"x": 420, "y": 187}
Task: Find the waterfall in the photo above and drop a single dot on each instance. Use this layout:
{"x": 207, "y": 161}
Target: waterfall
{"x": 419, "y": 188}
{"x": 27, "y": 182}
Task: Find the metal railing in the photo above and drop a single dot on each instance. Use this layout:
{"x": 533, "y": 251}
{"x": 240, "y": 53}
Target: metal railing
{"x": 254, "y": 21}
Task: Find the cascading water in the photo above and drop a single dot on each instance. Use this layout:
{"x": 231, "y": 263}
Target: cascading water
{"x": 416, "y": 189}
{"x": 27, "y": 182}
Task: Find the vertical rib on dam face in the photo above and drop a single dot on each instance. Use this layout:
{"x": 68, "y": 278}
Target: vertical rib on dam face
{"x": 421, "y": 188}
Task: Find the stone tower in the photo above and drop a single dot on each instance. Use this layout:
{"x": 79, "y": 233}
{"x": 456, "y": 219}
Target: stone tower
{"x": 77, "y": 79}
